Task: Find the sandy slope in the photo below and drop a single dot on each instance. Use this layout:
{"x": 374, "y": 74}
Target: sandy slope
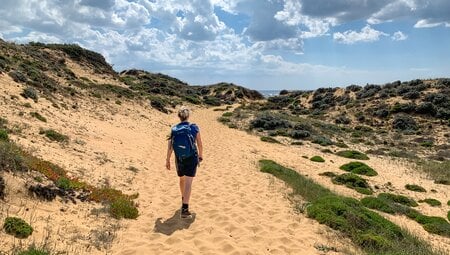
{"x": 238, "y": 210}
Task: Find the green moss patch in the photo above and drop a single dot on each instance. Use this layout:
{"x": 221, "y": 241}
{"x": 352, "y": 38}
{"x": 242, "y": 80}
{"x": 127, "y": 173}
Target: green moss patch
{"x": 353, "y": 181}
{"x": 414, "y": 187}
{"x": 352, "y": 154}
{"x": 358, "y": 168}
{"x": 317, "y": 159}
{"x": 17, "y": 227}
{"x": 431, "y": 201}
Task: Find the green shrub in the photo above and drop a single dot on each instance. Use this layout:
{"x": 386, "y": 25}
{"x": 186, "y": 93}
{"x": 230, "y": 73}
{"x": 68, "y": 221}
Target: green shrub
{"x": 321, "y": 140}
{"x": 17, "y": 227}
{"x": 30, "y": 92}
{"x": 38, "y": 116}
{"x": 54, "y": 135}
{"x": 341, "y": 145}
{"x": 34, "y": 251}
{"x": 435, "y": 225}
{"x": 123, "y": 208}
{"x": 227, "y": 114}
{"x": 193, "y": 99}
{"x": 373, "y": 233}
{"x": 4, "y": 135}
{"x": 353, "y": 181}
{"x": 328, "y": 174}
{"x": 11, "y": 158}
{"x": 448, "y": 215}
{"x": 269, "y": 139}
{"x": 400, "y": 199}
{"x": 352, "y": 154}
{"x": 358, "y": 168}
{"x": 317, "y": 159}
{"x": 414, "y": 187}
{"x": 213, "y": 101}
{"x": 378, "y": 204}
{"x": 431, "y": 201}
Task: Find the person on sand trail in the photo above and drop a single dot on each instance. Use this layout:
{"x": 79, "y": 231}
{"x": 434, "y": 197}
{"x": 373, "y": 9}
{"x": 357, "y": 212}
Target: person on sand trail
{"x": 183, "y": 140}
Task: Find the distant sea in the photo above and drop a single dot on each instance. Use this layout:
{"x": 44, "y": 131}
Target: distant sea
{"x": 269, "y": 93}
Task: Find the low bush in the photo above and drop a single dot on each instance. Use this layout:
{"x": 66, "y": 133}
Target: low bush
{"x": 4, "y": 135}
{"x": 404, "y": 123}
{"x": 353, "y": 181}
{"x": 431, "y": 201}
{"x": 33, "y": 250}
{"x": 358, "y": 168}
{"x": 373, "y": 233}
{"x": 317, "y": 159}
{"x": 54, "y": 136}
{"x": 269, "y": 139}
{"x": 439, "y": 171}
{"x": 227, "y": 114}
{"x": 38, "y": 116}
{"x": 414, "y": 187}
{"x": 31, "y": 93}
{"x": 269, "y": 122}
{"x": 17, "y": 227}
{"x": 321, "y": 140}
{"x": 123, "y": 208}
{"x": 11, "y": 158}
{"x": 352, "y": 154}
{"x": 328, "y": 174}
{"x": 378, "y": 204}
{"x": 400, "y": 199}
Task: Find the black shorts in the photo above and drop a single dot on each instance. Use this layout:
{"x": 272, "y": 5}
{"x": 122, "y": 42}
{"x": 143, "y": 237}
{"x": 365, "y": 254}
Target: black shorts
{"x": 187, "y": 166}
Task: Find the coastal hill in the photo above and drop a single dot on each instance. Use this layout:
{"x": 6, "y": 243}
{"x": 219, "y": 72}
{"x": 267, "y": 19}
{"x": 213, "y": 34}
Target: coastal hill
{"x": 83, "y": 147}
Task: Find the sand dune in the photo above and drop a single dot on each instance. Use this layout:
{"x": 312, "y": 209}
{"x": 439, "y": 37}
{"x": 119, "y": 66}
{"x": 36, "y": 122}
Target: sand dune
{"x": 237, "y": 209}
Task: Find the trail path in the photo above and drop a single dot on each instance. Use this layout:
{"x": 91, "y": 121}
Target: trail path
{"x": 238, "y": 210}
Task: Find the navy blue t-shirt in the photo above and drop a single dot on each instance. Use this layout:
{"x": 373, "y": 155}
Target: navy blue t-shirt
{"x": 194, "y": 128}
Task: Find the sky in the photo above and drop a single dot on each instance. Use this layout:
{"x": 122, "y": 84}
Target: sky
{"x": 260, "y": 44}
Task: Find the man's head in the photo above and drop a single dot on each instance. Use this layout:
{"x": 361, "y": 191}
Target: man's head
{"x": 184, "y": 113}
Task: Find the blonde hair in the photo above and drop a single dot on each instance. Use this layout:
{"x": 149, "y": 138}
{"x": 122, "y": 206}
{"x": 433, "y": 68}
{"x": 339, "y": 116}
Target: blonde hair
{"x": 184, "y": 113}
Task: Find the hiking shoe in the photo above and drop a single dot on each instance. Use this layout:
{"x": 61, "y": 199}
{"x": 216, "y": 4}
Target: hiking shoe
{"x": 185, "y": 213}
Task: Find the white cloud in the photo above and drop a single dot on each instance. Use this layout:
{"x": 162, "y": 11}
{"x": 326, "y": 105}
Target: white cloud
{"x": 424, "y": 23}
{"x": 399, "y": 36}
{"x": 367, "y": 34}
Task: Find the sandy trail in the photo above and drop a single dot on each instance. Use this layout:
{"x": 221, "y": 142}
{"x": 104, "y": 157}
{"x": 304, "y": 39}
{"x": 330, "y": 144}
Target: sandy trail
{"x": 237, "y": 209}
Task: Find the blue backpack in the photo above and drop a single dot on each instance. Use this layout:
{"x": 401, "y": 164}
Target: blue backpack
{"x": 183, "y": 142}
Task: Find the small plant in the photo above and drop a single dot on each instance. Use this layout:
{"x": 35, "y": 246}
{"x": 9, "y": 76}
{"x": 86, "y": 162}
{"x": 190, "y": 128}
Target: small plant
{"x": 133, "y": 169}
{"x": 17, "y": 227}
{"x": 224, "y": 119}
{"x": 317, "y": 159}
{"x": 269, "y": 139}
{"x": 30, "y": 92}
{"x": 54, "y": 135}
{"x": 38, "y": 116}
{"x": 359, "y": 168}
{"x": 323, "y": 141}
{"x": 378, "y": 204}
{"x": 328, "y": 174}
{"x": 400, "y": 199}
{"x": 352, "y": 154}
{"x": 4, "y": 135}
{"x": 33, "y": 250}
{"x": 414, "y": 187}
{"x": 123, "y": 208}
{"x": 227, "y": 114}
{"x": 353, "y": 181}
{"x": 431, "y": 201}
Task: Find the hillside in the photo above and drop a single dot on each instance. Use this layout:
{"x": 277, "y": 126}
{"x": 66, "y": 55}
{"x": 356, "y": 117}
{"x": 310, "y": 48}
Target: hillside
{"x": 57, "y": 71}
{"x": 82, "y": 152}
